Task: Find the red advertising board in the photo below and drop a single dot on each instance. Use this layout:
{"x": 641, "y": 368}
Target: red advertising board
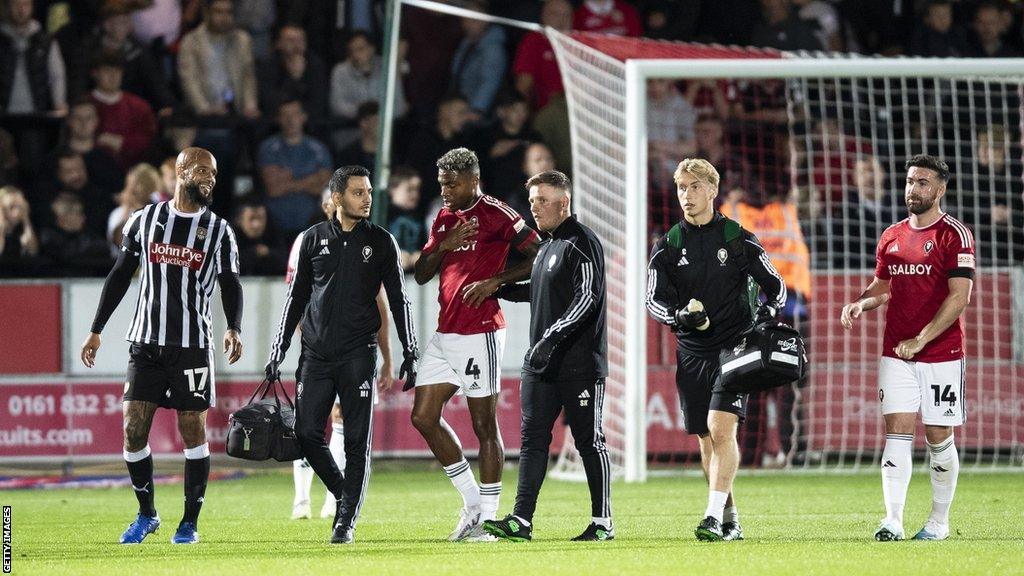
{"x": 30, "y": 328}
{"x": 60, "y": 420}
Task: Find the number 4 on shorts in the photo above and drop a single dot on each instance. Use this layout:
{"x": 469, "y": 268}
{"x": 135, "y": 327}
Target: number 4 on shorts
{"x": 472, "y": 369}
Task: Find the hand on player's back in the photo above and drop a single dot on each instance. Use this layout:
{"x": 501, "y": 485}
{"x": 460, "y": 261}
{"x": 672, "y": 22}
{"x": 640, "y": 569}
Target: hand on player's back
{"x": 459, "y": 236}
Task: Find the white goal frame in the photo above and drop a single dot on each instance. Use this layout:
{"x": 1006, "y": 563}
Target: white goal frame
{"x": 637, "y": 72}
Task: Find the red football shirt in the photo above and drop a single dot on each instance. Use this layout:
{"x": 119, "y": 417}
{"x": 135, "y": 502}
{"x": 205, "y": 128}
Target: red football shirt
{"x": 918, "y": 263}
{"x": 484, "y": 257}
{"x": 536, "y": 57}
{"x": 620, "y": 19}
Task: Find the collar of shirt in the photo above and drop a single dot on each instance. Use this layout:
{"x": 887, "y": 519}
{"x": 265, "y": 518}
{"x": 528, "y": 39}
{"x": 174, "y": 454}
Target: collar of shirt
{"x": 716, "y": 217}
{"x": 359, "y": 227}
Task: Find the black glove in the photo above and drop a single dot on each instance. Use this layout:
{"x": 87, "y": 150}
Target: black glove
{"x": 766, "y": 313}
{"x": 408, "y": 371}
{"x": 273, "y": 370}
{"x": 690, "y": 320}
{"x": 539, "y": 356}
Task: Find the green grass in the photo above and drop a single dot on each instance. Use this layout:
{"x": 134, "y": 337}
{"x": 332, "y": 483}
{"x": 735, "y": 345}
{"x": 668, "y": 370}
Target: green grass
{"x": 794, "y": 524}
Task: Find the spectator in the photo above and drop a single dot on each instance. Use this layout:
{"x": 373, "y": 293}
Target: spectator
{"x": 358, "y": 79}
{"x": 777, "y": 228}
{"x": 710, "y": 96}
{"x": 72, "y": 176}
{"x": 990, "y": 27}
{"x": 143, "y": 75}
{"x": 824, "y": 20}
{"x": 218, "y": 78}
{"x": 69, "y": 247}
{"x": 607, "y": 17}
{"x": 294, "y": 168}
{"x": 937, "y": 38}
{"x": 535, "y": 68}
{"x": 501, "y": 148}
{"x": 709, "y": 137}
{"x": 168, "y": 179}
{"x": 430, "y": 143}
{"x": 329, "y": 23}
{"x": 363, "y": 152}
{"x": 478, "y": 67}
{"x": 670, "y": 124}
{"x": 257, "y": 253}
{"x": 552, "y": 123}
{"x": 8, "y": 159}
{"x": 405, "y": 221}
{"x": 126, "y": 123}
{"x": 292, "y": 71}
{"x": 32, "y": 75}
{"x": 215, "y": 65}
{"x": 430, "y": 40}
{"x": 18, "y": 242}
{"x": 855, "y": 225}
{"x": 78, "y": 134}
{"x": 158, "y": 26}
{"x": 670, "y": 19}
{"x": 257, "y": 17}
{"x": 141, "y": 186}
{"x": 990, "y": 198}
{"x": 780, "y": 28}
{"x": 537, "y": 158}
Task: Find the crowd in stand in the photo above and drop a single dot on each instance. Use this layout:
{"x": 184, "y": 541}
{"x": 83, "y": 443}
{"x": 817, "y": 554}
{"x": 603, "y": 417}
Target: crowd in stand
{"x": 97, "y": 97}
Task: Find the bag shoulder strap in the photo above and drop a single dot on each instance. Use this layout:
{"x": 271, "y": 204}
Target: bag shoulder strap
{"x": 675, "y": 236}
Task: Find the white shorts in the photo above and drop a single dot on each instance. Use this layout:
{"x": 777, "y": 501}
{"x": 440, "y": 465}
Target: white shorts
{"x": 934, "y": 388}
{"x": 471, "y": 362}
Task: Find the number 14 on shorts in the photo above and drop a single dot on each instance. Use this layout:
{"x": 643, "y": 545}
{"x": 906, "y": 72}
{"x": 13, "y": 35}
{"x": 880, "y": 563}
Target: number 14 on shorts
{"x": 943, "y": 394}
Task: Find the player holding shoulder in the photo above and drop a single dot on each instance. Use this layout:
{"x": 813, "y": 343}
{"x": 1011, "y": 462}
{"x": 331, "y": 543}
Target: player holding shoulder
{"x": 183, "y": 249}
{"x": 469, "y": 241}
{"x": 925, "y": 271}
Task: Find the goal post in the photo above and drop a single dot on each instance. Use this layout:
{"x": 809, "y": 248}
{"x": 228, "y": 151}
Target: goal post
{"x": 606, "y": 93}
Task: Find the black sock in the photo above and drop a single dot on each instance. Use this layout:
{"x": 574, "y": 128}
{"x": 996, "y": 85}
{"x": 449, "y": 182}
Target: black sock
{"x": 141, "y": 474}
{"x": 197, "y": 471}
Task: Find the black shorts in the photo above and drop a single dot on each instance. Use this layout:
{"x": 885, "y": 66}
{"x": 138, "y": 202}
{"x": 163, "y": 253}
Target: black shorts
{"x": 170, "y": 376}
{"x": 700, "y": 391}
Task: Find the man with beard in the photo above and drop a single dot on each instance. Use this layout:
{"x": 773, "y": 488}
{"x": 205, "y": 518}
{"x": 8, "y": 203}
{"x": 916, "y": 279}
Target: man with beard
{"x": 182, "y": 248}
{"x": 340, "y": 268}
{"x": 925, "y": 271}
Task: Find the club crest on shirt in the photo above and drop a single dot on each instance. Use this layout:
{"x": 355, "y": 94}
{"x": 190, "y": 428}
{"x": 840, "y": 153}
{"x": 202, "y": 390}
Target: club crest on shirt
{"x": 201, "y": 233}
{"x": 367, "y": 252}
{"x": 928, "y": 246}
{"x": 722, "y": 256}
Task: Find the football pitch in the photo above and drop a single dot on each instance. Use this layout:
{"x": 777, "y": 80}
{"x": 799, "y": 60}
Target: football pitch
{"x": 794, "y": 524}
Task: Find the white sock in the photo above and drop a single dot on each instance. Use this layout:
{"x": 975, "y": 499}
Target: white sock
{"x": 337, "y": 448}
{"x": 602, "y": 522}
{"x": 945, "y": 467}
{"x": 731, "y": 515}
{"x": 716, "y": 504}
{"x": 489, "y": 496}
{"x": 896, "y": 464}
{"x": 523, "y": 522}
{"x": 302, "y": 473}
{"x": 461, "y": 476}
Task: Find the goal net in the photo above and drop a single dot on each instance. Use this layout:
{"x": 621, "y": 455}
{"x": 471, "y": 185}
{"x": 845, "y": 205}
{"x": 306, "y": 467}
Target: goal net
{"x": 825, "y": 139}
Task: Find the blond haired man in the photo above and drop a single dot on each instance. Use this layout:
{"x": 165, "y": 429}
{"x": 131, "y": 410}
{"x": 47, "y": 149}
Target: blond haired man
{"x": 697, "y": 284}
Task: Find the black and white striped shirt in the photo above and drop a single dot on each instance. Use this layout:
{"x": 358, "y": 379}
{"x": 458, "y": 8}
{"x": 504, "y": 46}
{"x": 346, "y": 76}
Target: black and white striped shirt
{"x": 181, "y": 256}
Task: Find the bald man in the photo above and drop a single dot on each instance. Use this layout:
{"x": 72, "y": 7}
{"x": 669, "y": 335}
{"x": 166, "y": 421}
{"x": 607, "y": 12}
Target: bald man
{"x": 181, "y": 246}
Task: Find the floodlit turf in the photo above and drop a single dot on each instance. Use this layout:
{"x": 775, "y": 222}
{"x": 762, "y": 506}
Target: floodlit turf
{"x": 794, "y": 524}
